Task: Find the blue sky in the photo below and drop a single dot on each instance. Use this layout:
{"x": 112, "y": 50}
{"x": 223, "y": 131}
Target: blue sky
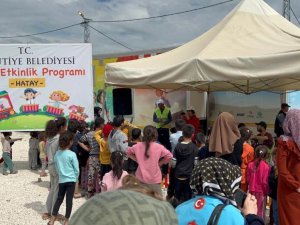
{"x": 31, "y": 16}
{"x": 294, "y": 99}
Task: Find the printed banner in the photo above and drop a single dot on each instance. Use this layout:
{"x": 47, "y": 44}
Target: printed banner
{"x": 249, "y": 109}
{"x": 39, "y": 82}
{"x": 143, "y": 99}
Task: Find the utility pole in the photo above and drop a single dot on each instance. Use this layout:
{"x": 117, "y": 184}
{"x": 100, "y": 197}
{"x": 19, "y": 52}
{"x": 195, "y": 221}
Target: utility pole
{"x": 85, "y": 24}
{"x": 286, "y": 13}
{"x": 287, "y": 9}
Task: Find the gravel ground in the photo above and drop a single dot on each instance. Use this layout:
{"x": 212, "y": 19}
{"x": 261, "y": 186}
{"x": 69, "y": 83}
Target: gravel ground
{"x": 22, "y": 196}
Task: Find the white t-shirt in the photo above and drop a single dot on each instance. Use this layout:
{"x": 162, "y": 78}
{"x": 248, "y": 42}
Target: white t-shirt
{"x": 174, "y": 139}
{"x": 5, "y": 144}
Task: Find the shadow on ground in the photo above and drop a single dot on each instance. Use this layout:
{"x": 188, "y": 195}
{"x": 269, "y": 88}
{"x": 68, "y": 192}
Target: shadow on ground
{"x": 36, "y": 206}
{"x": 44, "y": 184}
{"x": 23, "y": 165}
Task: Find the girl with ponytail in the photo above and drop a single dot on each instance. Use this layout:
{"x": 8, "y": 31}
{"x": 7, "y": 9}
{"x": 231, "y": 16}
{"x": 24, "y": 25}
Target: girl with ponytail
{"x": 150, "y": 156}
{"x": 113, "y": 179}
{"x": 257, "y": 177}
{"x": 53, "y": 129}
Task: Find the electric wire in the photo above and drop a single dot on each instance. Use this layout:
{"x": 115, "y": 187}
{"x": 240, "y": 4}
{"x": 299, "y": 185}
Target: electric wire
{"x": 160, "y": 16}
{"x": 295, "y": 15}
{"x": 116, "y": 21}
{"x": 44, "y": 32}
{"x": 112, "y": 39}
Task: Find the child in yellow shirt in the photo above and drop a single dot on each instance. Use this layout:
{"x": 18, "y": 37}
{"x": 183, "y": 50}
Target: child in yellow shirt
{"x": 104, "y": 150}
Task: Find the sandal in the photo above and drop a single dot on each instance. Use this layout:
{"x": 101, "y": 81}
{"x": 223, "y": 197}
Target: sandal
{"x": 77, "y": 195}
{"x": 66, "y": 222}
{"x": 46, "y": 216}
{"x": 51, "y": 220}
{"x": 60, "y": 217}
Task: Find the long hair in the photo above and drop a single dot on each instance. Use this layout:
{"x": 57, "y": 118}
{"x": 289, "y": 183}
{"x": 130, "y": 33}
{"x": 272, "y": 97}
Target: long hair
{"x": 261, "y": 152}
{"x": 150, "y": 135}
{"x": 116, "y": 159}
{"x": 42, "y": 136}
{"x": 53, "y": 127}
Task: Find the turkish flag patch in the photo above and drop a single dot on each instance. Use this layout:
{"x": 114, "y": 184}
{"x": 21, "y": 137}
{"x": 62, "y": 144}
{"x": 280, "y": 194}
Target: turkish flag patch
{"x": 199, "y": 204}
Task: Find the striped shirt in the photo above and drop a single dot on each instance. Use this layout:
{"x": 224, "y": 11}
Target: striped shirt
{"x": 90, "y": 138}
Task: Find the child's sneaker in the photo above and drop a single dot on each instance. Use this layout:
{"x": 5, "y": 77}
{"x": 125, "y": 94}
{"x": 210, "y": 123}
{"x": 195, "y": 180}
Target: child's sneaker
{"x": 14, "y": 172}
{"x": 5, "y": 173}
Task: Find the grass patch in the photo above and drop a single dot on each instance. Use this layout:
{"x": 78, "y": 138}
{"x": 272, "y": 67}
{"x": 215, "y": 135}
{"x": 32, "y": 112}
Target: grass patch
{"x": 25, "y": 122}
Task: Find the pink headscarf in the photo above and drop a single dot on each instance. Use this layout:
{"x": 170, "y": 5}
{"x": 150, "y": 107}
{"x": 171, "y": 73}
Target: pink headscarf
{"x": 291, "y": 125}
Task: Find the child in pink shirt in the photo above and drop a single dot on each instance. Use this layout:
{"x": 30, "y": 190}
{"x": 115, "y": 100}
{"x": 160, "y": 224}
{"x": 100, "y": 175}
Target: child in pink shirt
{"x": 113, "y": 179}
{"x": 150, "y": 156}
{"x": 257, "y": 177}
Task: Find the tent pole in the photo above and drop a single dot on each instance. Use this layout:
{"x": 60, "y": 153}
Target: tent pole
{"x": 207, "y": 108}
{"x": 283, "y": 97}
{"x": 248, "y": 87}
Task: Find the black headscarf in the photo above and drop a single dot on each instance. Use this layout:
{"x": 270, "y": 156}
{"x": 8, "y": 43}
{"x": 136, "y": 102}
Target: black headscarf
{"x": 216, "y": 177}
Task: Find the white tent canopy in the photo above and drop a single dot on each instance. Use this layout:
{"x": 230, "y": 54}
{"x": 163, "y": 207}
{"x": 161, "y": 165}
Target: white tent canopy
{"x": 252, "y": 49}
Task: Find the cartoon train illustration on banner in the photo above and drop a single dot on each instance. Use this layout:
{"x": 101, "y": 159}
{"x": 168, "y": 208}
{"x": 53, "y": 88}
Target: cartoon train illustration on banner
{"x": 6, "y": 107}
{"x": 30, "y": 108}
{"x": 53, "y": 108}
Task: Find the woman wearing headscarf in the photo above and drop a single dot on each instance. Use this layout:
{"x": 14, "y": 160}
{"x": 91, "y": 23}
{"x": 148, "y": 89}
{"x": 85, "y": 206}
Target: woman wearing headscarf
{"x": 215, "y": 182}
{"x": 124, "y": 207}
{"x": 225, "y": 139}
{"x": 288, "y": 163}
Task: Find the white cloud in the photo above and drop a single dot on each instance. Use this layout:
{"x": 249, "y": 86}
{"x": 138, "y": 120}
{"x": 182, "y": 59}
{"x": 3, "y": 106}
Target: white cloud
{"x": 33, "y": 16}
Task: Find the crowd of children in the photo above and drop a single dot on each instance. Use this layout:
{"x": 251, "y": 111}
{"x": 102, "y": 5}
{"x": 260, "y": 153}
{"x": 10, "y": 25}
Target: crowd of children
{"x": 86, "y": 161}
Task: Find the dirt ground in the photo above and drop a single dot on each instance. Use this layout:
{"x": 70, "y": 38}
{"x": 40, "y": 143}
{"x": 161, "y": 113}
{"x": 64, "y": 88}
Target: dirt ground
{"x": 23, "y": 198}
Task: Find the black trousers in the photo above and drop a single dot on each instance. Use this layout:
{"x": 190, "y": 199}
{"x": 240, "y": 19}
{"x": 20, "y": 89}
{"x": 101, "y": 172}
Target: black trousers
{"x": 65, "y": 189}
{"x": 104, "y": 169}
{"x": 183, "y": 190}
{"x": 171, "y": 187}
{"x": 164, "y": 139}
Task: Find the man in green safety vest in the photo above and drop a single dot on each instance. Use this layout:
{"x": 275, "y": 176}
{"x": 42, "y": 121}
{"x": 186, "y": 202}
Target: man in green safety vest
{"x": 162, "y": 117}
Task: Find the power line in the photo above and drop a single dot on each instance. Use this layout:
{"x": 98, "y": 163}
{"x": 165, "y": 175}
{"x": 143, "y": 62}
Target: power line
{"x": 45, "y": 32}
{"x": 116, "y": 21}
{"x": 160, "y": 16}
{"x": 110, "y": 38}
{"x": 295, "y": 15}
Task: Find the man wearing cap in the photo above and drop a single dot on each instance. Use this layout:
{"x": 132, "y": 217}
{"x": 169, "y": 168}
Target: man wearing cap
{"x": 162, "y": 117}
{"x": 278, "y": 129}
{"x": 263, "y": 137}
{"x": 192, "y": 119}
